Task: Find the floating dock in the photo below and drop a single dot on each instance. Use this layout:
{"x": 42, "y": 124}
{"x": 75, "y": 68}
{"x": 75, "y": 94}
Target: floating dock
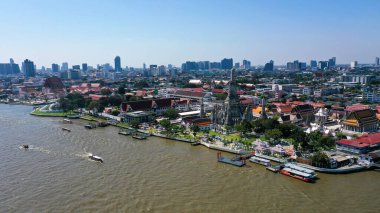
{"x": 238, "y": 163}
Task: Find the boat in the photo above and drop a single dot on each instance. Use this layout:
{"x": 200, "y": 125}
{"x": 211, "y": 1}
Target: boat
{"x": 68, "y": 121}
{"x": 124, "y": 131}
{"x": 261, "y": 161}
{"x": 297, "y": 174}
{"x": 90, "y": 126}
{"x": 75, "y": 116}
{"x": 102, "y": 124}
{"x": 195, "y": 143}
{"x": 140, "y": 136}
{"x": 274, "y": 169}
{"x": 299, "y": 168}
{"x": 95, "y": 158}
{"x": 66, "y": 129}
{"x": 25, "y": 146}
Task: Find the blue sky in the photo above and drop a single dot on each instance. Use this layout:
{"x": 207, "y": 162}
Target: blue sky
{"x": 173, "y": 31}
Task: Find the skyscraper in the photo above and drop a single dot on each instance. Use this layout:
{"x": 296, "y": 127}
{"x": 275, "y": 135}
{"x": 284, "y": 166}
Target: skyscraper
{"x": 84, "y": 67}
{"x": 29, "y": 68}
{"x": 313, "y": 64}
{"x": 354, "y": 64}
{"x": 246, "y": 64}
{"x": 76, "y": 67}
{"x": 227, "y": 64}
{"x": 55, "y": 68}
{"x": 377, "y": 61}
{"x": 117, "y": 64}
{"x": 65, "y": 66}
{"x": 269, "y": 66}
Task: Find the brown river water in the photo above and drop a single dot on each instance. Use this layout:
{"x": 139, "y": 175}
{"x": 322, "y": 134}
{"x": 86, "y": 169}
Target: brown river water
{"x": 154, "y": 175}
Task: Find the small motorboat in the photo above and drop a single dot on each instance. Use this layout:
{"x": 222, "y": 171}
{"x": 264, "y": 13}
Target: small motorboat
{"x": 95, "y": 158}
{"x": 66, "y": 129}
{"x": 25, "y": 146}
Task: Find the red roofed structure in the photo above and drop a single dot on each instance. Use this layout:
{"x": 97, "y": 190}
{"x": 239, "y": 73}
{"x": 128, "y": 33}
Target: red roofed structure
{"x": 360, "y": 145}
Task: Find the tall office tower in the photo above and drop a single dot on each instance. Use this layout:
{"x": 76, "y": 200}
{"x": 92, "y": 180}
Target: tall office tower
{"x": 322, "y": 65}
{"x": 227, "y": 64}
{"x": 144, "y": 66}
{"x": 153, "y": 70}
{"x": 354, "y": 64}
{"x": 377, "y": 61}
{"x": 289, "y": 66}
{"x": 118, "y": 64}
{"x": 76, "y": 67}
{"x": 65, "y": 66}
{"x": 313, "y": 64}
{"x": 331, "y": 62}
{"x": 84, "y": 67}
{"x": 296, "y": 65}
{"x": 55, "y": 68}
{"x": 269, "y": 66}
{"x": 29, "y": 68}
{"x": 162, "y": 70}
{"x": 246, "y": 64}
{"x": 237, "y": 65}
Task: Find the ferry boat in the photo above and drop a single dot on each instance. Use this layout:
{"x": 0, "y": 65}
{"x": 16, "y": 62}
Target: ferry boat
{"x": 67, "y": 121}
{"x": 298, "y": 172}
{"x": 299, "y": 168}
{"x": 261, "y": 161}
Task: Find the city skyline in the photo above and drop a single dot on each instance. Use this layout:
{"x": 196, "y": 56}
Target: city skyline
{"x": 172, "y": 32}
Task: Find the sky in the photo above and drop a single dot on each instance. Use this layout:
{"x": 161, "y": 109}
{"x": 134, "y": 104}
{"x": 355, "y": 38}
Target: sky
{"x": 174, "y": 31}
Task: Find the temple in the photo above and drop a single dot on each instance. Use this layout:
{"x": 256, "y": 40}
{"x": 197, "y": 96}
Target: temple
{"x": 230, "y": 112}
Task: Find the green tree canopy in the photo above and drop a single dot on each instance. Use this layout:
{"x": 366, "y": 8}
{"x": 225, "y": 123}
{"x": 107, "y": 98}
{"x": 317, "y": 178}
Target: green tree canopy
{"x": 171, "y": 114}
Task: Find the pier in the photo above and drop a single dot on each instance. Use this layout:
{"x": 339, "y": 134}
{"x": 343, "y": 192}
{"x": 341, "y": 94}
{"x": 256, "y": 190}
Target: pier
{"x": 238, "y": 163}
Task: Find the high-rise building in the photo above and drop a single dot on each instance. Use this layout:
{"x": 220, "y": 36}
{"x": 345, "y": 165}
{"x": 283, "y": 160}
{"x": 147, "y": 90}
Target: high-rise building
{"x": 331, "y": 62}
{"x": 55, "y": 68}
{"x": 377, "y": 61}
{"x": 84, "y": 67}
{"x": 65, "y": 66}
{"x": 162, "y": 70}
{"x": 289, "y": 66}
{"x": 237, "y": 65}
{"x": 354, "y": 64}
{"x": 215, "y": 65}
{"x": 322, "y": 65}
{"x": 29, "y": 68}
{"x": 246, "y": 64}
{"x": 296, "y": 65}
{"x": 74, "y": 74}
{"x": 313, "y": 64}
{"x": 227, "y": 63}
{"x": 76, "y": 67}
{"x": 269, "y": 66}
{"x": 118, "y": 64}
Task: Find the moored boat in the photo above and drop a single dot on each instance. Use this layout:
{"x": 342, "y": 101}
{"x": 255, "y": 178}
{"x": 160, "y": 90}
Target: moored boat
{"x": 297, "y": 174}
{"x": 140, "y": 136}
{"x": 261, "y": 161}
{"x": 301, "y": 169}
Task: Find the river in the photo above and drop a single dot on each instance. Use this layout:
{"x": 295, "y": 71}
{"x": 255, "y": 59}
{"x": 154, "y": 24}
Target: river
{"x": 154, "y": 175}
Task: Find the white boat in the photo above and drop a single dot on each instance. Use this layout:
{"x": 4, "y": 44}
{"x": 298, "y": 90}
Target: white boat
{"x": 301, "y": 169}
{"x": 95, "y": 158}
{"x": 261, "y": 161}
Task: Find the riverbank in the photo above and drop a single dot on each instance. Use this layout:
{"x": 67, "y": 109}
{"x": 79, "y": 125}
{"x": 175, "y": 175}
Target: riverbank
{"x": 38, "y": 112}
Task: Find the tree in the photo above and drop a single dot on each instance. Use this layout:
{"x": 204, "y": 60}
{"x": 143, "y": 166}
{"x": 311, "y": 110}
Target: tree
{"x": 121, "y": 90}
{"x": 194, "y": 128}
{"x": 166, "y": 124}
{"x": 106, "y": 92}
{"x": 287, "y": 129}
{"x": 92, "y": 105}
{"x": 320, "y": 159}
{"x": 141, "y": 84}
{"x": 115, "y": 112}
{"x": 134, "y": 124}
{"x": 171, "y": 114}
{"x": 65, "y": 104}
{"x": 274, "y": 134}
{"x": 244, "y": 127}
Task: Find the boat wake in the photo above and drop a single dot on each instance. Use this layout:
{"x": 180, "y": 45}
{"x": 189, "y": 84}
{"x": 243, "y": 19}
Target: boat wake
{"x": 38, "y": 149}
